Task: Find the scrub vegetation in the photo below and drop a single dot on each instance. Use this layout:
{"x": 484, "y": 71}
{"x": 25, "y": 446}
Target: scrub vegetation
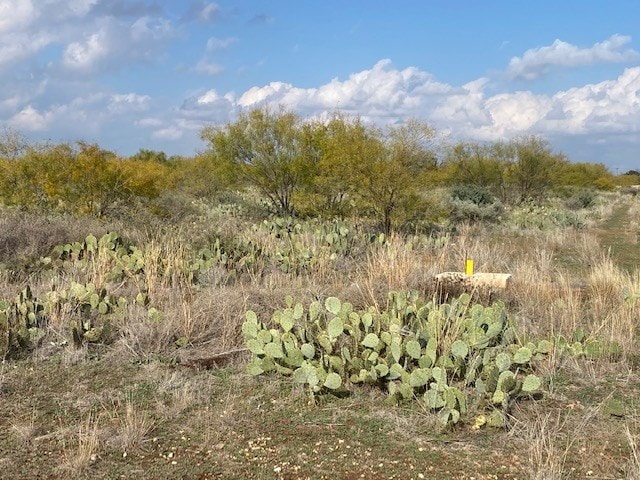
{"x": 269, "y": 309}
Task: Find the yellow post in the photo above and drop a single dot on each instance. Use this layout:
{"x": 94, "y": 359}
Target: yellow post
{"x": 468, "y": 267}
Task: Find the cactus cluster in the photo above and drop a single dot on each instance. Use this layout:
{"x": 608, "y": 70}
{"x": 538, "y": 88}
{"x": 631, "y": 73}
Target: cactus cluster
{"x": 237, "y": 256}
{"x": 439, "y": 354}
{"x": 306, "y": 245}
{"x": 109, "y": 267}
{"x": 24, "y": 321}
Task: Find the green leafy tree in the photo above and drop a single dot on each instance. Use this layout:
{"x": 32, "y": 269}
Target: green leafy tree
{"x": 265, "y": 150}
{"x": 585, "y": 175}
{"x": 146, "y": 155}
{"x": 534, "y": 168}
{"x": 336, "y": 150}
{"x": 391, "y": 178}
{"x": 483, "y": 166}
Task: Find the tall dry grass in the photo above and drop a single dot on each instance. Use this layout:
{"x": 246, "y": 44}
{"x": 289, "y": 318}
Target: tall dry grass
{"x": 562, "y": 281}
{"x": 551, "y": 439}
{"x": 77, "y": 460}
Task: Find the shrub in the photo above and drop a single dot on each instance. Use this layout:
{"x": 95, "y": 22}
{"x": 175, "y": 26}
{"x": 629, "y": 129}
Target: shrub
{"x": 583, "y": 199}
{"x": 472, "y": 193}
{"x": 468, "y": 211}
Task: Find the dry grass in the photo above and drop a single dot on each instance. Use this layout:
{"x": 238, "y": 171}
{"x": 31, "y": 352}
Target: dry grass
{"x": 27, "y": 430}
{"x": 563, "y": 281}
{"x": 550, "y": 439}
{"x": 181, "y": 390}
{"x": 135, "y": 426}
{"x": 389, "y": 267}
{"x": 633, "y": 465}
{"x": 76, "y": 461}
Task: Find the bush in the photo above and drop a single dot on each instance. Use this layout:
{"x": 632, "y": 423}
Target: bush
{"x": 582, "y": 199}
{"x": 27, "y": 237}
{"x": 472, "y": 193}
{"x": 467, "y": 211}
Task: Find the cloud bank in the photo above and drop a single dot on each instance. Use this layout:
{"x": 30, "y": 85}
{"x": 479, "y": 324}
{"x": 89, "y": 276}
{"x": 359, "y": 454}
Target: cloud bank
{"x": 537, "y": 62}
{"x": 387, "y": 95}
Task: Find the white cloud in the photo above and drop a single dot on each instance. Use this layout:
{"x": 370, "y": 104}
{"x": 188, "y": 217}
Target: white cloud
{"x": 15, "y": 15}
{"x": 209, "y": 12}
{"x": 86, "y": 55}
{"x": 91, "y": 34}
{"x": 21, "y": 46}
{"x": 128, "y": 102}
{"x": 169, "y": 133}
{"x": 202, "y": 12}
{"x": 214, "y": 43}
{"x": 609, "y": 106}
{"x": 512, "y": 114}
{"x": 80, "y": 7}
{"x": 31, "y": 120}
{"x": 147, "y": 29}
{"x": 116, "y": 44}
{"x": 209, "y": 68}
{"x": 86, "y": 115}
{"x": 207, "y": 64}
{"x": 148, "y": 122}
{"x": 538, "y": 61}
{"x": 384, "y": 95}
{"x": 379, "y": 91}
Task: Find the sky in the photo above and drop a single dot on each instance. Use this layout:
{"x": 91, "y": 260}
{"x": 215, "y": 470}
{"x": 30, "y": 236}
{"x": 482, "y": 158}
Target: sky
{"x": 132, "y": 74}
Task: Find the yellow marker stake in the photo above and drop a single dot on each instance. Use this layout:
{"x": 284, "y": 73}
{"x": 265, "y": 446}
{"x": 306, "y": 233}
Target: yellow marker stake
{"x": 468, "y": 267}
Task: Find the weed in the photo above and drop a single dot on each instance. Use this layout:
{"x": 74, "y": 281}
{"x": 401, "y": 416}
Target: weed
{"x": 633, "y": 465}
{"x": 77, "y": 460}
{"x": 134, "y": 427}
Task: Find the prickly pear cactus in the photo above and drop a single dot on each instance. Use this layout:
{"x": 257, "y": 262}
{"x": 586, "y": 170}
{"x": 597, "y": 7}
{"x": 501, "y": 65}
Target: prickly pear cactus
{"x": 415, "y": 350}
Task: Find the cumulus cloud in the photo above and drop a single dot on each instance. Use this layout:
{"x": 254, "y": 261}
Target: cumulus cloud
{"x": 609, "y": 106}
{"x": 88, "y": 53}
{"x": 15, "y": 15}
{"x": 22, "y": 46}
{"x": 128, "y": 102}
{"x": 82, "y": 116}
{"x": 116, "y": 44}
{"x": 536, "y": 62}
{"x": 31, "y": 120}
{"x": 386, "y": 95}
{"x": 379, "y": 91}
{"x": 91, "y": 33}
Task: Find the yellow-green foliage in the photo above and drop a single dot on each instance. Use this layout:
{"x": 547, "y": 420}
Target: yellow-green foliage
{"x": 83, "y": 179}
{"x": 587, "y": 175}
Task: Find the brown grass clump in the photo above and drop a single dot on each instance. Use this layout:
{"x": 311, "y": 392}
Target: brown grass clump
{"x": 76, "y": 461}
{"x": 135, "y": 425}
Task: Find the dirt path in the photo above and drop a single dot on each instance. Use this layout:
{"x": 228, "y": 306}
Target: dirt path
{"x": 618, "y": 235}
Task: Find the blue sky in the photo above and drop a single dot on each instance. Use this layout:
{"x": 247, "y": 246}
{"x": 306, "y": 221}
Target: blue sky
{"x": 131, "y": 74}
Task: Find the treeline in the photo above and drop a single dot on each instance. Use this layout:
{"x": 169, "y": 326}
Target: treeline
{"x": 332, "y": 168}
